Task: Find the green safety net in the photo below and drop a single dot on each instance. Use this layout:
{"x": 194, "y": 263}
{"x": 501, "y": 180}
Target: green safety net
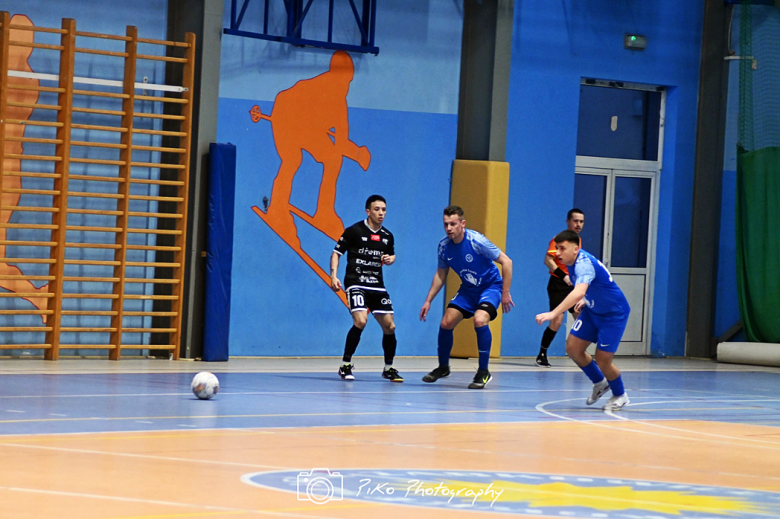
{"x": 758, "y": 243}
{"x": 758, "y": 173}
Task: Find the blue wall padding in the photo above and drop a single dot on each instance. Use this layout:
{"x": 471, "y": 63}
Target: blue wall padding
{"x": 219, "y": 248}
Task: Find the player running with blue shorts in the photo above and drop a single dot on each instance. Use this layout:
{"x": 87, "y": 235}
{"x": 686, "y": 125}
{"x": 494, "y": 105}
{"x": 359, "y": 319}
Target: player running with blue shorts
{"x": 603, "y": 319}
{"x": 481, "y": 292}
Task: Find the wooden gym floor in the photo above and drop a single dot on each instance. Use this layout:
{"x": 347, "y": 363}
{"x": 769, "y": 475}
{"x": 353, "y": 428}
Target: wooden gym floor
{"x": 288, "y": 438}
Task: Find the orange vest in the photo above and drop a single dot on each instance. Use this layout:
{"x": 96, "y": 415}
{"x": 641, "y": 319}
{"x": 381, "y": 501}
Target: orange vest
{"x": 552, "y": 251}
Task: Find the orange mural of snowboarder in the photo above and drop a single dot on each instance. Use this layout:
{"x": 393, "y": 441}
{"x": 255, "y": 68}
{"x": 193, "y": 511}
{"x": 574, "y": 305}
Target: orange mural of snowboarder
{"x": 312, "y": 116}
{"x": 11, "y": 278}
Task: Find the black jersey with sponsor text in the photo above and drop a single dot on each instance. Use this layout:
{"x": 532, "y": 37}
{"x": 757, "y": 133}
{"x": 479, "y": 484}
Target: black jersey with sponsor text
{"x": 365, "y": 249}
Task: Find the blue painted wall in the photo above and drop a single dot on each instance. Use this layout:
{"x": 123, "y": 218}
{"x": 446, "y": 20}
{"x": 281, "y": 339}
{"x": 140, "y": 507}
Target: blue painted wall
{"x": 402, "y": 107}
{"x": 555, "y": 44}
{"x": 150, "y": 16}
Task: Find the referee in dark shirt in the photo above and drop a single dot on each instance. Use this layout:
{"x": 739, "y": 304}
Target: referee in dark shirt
{"x": 559, "y": 285}
{"x": 369, "y": 246}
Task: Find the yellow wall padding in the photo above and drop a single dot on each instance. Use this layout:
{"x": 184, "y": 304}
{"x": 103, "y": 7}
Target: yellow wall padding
{"x": 481, "y": 188}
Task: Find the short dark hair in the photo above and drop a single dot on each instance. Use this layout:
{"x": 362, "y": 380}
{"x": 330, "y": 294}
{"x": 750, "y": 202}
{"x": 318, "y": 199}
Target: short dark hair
{"x": 572, "y": 212}
{"x": 454, "y": 210}
{"x": 375, "y": 198}
{"x": 569, "y": 236}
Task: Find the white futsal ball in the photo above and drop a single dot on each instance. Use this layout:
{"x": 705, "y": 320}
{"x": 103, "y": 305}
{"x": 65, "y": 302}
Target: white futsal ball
{"x": 205, "y": 385}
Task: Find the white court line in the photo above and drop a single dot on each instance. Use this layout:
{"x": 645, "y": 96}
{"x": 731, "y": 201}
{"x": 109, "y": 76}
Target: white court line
{"x": 135, "y": 395}
{"x": 301, "y": 431}
{"x": 293, "y": 393}
{"x": 433, "y": 410}
{"x": 286, "y": 431}
{"x": 271, "y": 429}
{"x": 540, "y": 408}
{"x": 695, "y": 400}
{"x": 156, "y": 502}
{"x": 411, "y": 392}
{"x": 140, "y": 456}
{"x": 540, "y": 457}
{"x": 741, "y": 441}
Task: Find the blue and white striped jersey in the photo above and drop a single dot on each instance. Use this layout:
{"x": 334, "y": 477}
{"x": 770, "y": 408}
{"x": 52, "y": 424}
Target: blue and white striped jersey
{"x": 472, "y": 259}
{"x": 603, "y": 297}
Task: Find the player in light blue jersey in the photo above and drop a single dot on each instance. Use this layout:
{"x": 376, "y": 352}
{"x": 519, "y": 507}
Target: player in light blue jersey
{"x": 603, "y": 319}
{"x": 481, "y": 292}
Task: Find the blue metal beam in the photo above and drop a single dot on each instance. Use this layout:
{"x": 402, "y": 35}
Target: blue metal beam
{"x": 372, "y": 26}
{"x": 303, "y": 16}
{"x": 363, "y": 38}
{"x": 301, "y": 42}
{"x": 296, "y": 16}
{"x": 241, "y": 15}
{"x": 330, "y": 21}
{"x": 753, "y": 2}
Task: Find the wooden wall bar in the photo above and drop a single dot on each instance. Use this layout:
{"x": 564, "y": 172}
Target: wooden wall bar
{"x": 90, "y": 158}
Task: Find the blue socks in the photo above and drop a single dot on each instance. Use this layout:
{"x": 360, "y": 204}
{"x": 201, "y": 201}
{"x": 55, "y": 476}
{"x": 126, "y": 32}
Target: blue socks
{"x": 594, "y": 373}
{"x": 617, "y": 386}
{"x": 484, "y": 341}
{"x": 595, "y": 376}
{"x": 445, "y": 346}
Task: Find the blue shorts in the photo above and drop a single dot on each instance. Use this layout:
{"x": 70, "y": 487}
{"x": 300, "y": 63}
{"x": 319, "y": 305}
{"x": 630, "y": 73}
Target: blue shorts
{"x": 606, "y": 332}
{"x": 468, "y": 301}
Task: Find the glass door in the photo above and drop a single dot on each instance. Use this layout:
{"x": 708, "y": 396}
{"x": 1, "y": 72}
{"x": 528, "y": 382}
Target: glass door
{"x": 619, "y": 207}
{"x": 619, "y": 156}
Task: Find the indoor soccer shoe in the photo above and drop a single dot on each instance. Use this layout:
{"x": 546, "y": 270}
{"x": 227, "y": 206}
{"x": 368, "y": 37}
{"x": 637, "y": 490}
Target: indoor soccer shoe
{"x": 598, "y": 391}
{"x": 436, "y": 374}
{"x": 392, "y": 375}
{"x": 345, "y": 372}
{"x": 481, "y": 380}
{"x": 542, "y": 361}
{"x": 616, "y": 402}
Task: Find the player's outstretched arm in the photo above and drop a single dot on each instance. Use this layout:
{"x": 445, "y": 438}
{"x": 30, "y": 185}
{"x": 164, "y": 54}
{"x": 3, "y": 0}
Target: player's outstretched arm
{"x": 335, "y": 284}
{"x": 506, "y": 275}
{"x": 549, "y": 262}
{"x": 438, "y": 281}
{"x": 573, "y": 298}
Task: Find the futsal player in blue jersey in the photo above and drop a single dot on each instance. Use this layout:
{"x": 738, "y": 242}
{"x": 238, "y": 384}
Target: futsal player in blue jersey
{"x": 482, "y": 291}
{"x": 603, "y": 319}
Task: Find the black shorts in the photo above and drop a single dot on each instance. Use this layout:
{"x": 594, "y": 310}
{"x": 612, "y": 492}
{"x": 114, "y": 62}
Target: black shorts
{"x": 375, "y": 301}
{"x": 557, "y": 290}
{"x": 484, "y": 305}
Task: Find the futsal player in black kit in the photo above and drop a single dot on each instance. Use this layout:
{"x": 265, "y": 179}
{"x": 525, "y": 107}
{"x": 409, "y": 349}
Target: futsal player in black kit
{"x": 369, "y": 246}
